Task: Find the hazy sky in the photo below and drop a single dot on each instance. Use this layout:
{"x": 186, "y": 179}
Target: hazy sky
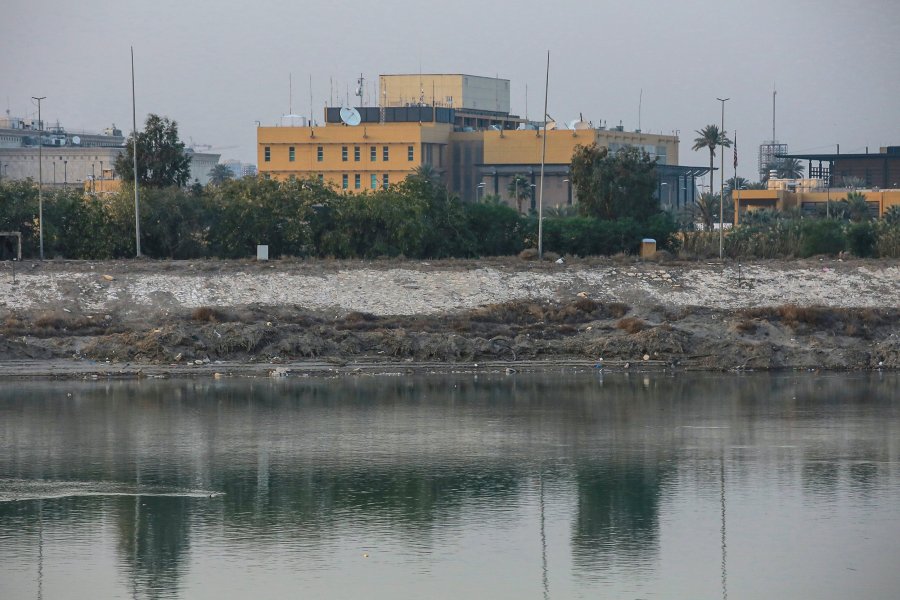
{"x": 217, "y": 67}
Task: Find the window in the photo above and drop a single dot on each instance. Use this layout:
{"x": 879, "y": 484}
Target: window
{"x": 320, "y": 154}
{"x": 356, "y": 153}
{"x": 373, "y": 153}
{"x": 384, "y": 179}
{"x": 357, "y": 183}
{"x": 344, "y": 153}
{"x": 268, "y": 154}
{"x": 291, "y": 154}
{"x": 385, "y": 153}
{"x": 344, "y": 181}
{"x": 374, "y": 180}
{"x": 409, "y": 153}
{"x": 321, "y": 178}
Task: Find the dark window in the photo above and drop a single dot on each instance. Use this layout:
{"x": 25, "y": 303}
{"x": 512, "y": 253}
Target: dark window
{"x": 385, "y": 180}
{"x": 268, "y": 154}
{"x": 291, "y": 154}
{"x": 344, "y": 181}
{"x": 410, "y": 153}
{"x": 373, "y": 153}
{"x": 320, "y": 154}
{"x": 385, "y": 153}
{"x": 344, "y": 153}
{"x": 357, "y": 182}
{"x": 356, "y": 153}
{"x": 374, "y": 180}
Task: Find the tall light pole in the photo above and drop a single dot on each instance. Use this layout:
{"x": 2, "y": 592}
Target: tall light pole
{"x": 65, "y": 173}
{"x": 137, "y": 206}
{"x": 543, "y": 157}
{"x": 722, "y": 181}
{"x": 479, "y": 187}
{"x": 40, "y": 175}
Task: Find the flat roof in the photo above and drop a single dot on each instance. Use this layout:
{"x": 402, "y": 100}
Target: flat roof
{"x": 833, "y": 157}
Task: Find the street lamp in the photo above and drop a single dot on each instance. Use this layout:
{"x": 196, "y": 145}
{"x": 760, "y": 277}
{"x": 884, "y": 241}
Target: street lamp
{"x": 722, "y": 181}
{"x": 478, "y": 187}
{"x": 40, "y": 174}
{"x": 65, "y": 173}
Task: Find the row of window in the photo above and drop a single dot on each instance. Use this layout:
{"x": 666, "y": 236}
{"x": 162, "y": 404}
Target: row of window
{"x": 357, "y": 181}
{"x": 320, "y": 153}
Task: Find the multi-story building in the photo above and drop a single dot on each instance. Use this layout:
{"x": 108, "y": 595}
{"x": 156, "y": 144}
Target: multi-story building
{"x": 461, "y": 127}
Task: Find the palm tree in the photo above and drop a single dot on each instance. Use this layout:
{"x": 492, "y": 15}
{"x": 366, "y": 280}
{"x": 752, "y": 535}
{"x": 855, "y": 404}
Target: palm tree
{"x": 857, "y": 207}
{"x": 710, "y": 137}
{"x": 520, "y": 189}
{"x": 426, "y": 172}
{"x": 219, "y": 174}
{"x": 707, "y": 210}
{"x": 789, "y": 168}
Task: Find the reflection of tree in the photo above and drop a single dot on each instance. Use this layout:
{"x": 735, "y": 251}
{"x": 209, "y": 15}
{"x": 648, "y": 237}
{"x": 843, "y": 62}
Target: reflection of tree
{"x": 408, "y": 498}
{"x": 153, "y": 542}
{"x": 618, "y": 512}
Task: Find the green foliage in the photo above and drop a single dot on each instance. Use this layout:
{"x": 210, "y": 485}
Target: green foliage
{"x": 821, "y": 237}
{"x": 253, "y": 210}
{"x": 585, "y": 236}
{"x": 861, "y": 239}
{"x": 496, "y": 229}
{"x": 219, "y": 174}
{"x": 162, "y": 160}
{"x": 520, "y": 190}
{"x": 616, "y": 186}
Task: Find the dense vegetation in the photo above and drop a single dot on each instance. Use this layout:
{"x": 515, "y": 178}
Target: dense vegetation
{"x": 418, "y": 218}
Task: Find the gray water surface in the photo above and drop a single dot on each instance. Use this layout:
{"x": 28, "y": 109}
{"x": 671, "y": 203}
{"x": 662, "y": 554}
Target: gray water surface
{"x": 522, "y": 486}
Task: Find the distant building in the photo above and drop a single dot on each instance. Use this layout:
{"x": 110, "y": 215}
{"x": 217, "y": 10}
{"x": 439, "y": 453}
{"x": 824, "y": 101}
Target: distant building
{"x": 460, "y": 127}
{"x": 70, "y": 157}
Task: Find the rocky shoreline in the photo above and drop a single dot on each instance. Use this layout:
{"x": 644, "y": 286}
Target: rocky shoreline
{"x": 295, "y": 317}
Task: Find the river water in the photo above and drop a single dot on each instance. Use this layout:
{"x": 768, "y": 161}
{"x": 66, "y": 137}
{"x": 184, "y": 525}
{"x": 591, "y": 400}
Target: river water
{"x": 553, "y": 485}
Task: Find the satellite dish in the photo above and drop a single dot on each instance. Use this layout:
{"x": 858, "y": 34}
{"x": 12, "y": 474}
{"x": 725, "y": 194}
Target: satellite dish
{"x": 551, "y": 125}
{"x": 76, "y": 140}
{"x": 350, "y": 116}
{"x": 577, "y": 124}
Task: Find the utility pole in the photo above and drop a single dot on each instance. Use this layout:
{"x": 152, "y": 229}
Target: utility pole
{"x": 722, "y": 182}
{"x": 40, "y": 174}
{"x": 543, "y": 158}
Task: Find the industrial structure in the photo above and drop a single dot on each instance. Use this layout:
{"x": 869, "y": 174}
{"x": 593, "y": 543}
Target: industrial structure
{"x": 461, "y": 128}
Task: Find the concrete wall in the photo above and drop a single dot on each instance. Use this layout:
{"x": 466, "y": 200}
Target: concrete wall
{"x": 60, "y": 165}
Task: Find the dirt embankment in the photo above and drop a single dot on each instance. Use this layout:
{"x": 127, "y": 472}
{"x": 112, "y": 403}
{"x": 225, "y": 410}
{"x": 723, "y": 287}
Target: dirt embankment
{"x": 810, "y": 314}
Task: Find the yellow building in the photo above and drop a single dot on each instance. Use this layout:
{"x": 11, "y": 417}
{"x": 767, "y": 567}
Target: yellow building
{"x": 364, "y": 157}
{"x": 810, "y": 199}
{"x": 459, "y": 125}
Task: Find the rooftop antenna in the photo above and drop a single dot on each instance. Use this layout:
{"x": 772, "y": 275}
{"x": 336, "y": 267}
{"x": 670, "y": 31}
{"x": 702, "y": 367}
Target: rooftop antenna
{"x": 774, "y": 92}
{"x": 526, "y": 102}
{"x": 640, "y": 102}
{"x": 290, "y": 94}
{"x": 310, "y": 101}
{"x": 360, "y": 84}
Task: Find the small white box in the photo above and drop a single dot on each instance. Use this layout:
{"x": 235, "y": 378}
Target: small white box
{"x": 262, "y": 253}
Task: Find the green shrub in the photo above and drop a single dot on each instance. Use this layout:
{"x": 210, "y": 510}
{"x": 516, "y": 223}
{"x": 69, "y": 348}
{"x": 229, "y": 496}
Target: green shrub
{"x": 821, "y": 237}
{"x": 861, "y": 239}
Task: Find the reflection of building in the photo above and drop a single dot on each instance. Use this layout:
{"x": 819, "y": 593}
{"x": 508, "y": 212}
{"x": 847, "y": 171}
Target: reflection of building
{"x": 461, "y": 127}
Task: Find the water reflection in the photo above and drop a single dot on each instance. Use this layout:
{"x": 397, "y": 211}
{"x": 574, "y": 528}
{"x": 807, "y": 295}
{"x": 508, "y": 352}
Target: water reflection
{"x": 419, "y": 461}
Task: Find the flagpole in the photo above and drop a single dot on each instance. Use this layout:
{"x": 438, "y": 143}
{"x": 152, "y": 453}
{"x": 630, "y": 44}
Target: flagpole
{"x": 543, "y": 158}
{"x": 736, "y": 186}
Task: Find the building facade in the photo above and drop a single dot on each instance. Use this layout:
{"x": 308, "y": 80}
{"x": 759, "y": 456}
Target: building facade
{"x": 460, "y": 127}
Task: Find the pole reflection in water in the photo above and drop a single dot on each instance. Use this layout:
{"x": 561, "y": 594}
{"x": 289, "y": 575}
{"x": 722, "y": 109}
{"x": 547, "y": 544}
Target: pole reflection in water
{"x": 724, "y": 547}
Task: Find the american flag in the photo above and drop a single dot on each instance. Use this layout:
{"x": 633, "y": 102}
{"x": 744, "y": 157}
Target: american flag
{"x": 735, "y": 149}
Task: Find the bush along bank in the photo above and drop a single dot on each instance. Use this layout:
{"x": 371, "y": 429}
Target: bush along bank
{"x": 417, "y": 218}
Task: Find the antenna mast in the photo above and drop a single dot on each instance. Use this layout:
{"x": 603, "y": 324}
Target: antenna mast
{"x": 774, "y": 91}
{"x": 640, "y": 103}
